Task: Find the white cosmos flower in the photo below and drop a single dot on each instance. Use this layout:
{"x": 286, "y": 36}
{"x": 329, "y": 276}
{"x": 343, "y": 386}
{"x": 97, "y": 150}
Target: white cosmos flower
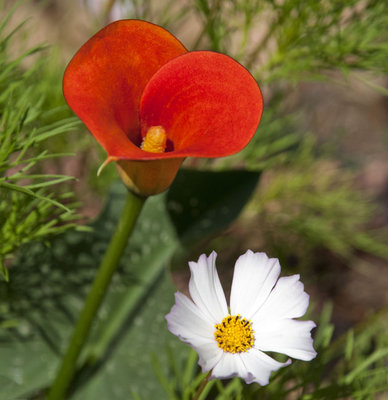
{"x": 232, "y": 341}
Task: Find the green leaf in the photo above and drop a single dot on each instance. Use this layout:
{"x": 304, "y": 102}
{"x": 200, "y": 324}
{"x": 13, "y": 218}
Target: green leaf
{"x": 50, "y": 284}
{"x": 205, "y": 202}
{"x": 129, "y": 365}
{"x": 30, "y": 208}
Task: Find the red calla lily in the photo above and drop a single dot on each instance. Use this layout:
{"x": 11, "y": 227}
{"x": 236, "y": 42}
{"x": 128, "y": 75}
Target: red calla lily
{"x": 134, "y": 77}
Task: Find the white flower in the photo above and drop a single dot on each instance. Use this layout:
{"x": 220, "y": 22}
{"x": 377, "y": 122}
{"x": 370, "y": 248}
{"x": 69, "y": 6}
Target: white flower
{"x": 231, "y": 342}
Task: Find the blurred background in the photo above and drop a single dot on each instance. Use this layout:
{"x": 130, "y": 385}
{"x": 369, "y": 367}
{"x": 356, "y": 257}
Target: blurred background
{"x": 321, "y": 204}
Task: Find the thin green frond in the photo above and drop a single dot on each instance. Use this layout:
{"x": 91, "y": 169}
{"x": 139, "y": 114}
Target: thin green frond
{"x": 32, "y": 205}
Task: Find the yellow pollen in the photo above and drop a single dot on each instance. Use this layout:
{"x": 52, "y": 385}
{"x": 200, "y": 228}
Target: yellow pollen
{"x": 234, "y": 334}
{"x": 155, "y": 140}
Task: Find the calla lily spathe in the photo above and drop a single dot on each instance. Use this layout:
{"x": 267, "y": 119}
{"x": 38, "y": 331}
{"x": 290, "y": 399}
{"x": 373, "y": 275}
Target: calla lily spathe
{"x": 133, "y": 76}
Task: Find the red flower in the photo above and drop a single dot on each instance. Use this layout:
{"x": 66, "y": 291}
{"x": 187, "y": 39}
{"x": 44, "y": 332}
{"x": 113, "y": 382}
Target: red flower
{"x": 150, "y": 103}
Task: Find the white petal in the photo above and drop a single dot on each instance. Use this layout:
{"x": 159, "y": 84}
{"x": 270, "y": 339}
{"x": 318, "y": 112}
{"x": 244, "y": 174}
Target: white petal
{"x": 188, "y": 322}
{"x": 287, "y": 336}
{"x": 287, "y": 300}
{"x": 260, "y": 366}
{"x": 205, "y": 288}
{"x": 209, "y": 355}
{"x": 229, "y": 365}
{"x": 254, "y": 277}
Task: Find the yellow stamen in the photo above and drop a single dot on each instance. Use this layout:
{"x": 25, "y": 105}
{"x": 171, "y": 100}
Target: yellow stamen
{"x": 234, "y": 335}
{"x": 155, "y": 140}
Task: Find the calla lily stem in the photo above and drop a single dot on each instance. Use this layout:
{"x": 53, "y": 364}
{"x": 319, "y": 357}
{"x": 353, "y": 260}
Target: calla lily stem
{"x": 109, "y": 263}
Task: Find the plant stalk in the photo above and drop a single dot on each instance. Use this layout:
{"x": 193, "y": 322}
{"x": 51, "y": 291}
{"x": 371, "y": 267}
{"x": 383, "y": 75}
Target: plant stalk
{"x": 202, "y": 386}
{"x": 109, "y": 263}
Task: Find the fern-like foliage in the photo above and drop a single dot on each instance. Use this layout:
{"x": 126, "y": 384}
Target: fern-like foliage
{"x": 317, "y": 207}
{"x": 30, "y": 209}
{"x": 293, "y": 40}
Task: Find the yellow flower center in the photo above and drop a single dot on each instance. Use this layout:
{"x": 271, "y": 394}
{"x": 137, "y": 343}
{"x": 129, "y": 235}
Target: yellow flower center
{"x": 234, "y": 334}
{"x": 155, "y": 140}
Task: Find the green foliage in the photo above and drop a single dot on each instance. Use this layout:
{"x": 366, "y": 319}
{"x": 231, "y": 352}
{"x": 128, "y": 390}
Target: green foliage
{"x": 29, "y": 207}
{"x": 293, "y": 40}
{"x": 225, "y": 191}
{"x": 310, "y": 204}
{"x": 44, "y": 297}
{"x": 317, "y": 36}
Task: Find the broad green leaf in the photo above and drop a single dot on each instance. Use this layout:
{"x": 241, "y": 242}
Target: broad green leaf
{"x": 200, "y": 203}
{"x": 127, "y": 368}
{"x": 50, "y": 284}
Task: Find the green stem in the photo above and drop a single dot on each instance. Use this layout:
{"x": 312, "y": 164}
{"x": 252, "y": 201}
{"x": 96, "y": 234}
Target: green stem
{"x": 109, "y": 263}
{"x": 202, "y": 386}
